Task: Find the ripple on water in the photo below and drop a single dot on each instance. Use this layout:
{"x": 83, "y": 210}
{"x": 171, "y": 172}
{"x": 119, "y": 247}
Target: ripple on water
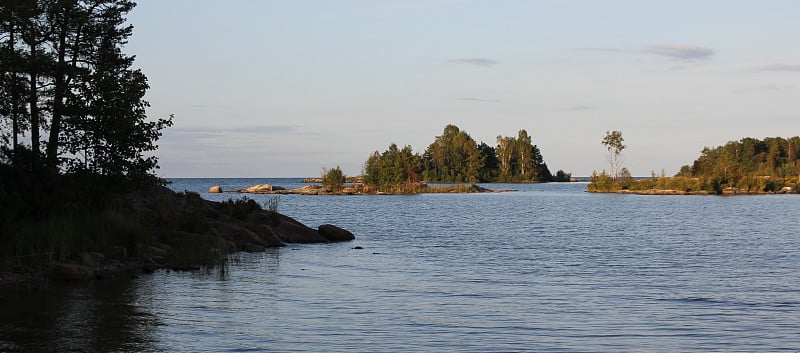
{"x": 549, "y": 269}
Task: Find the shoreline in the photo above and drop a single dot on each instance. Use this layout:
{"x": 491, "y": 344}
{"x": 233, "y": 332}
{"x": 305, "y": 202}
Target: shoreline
{"x": 177, "y": 231}
{"x": 360, "y": 189}
{"x": 672, "y": 192}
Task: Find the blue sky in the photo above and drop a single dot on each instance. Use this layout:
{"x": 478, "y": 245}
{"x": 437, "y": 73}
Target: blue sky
{"x": 285, "y": 88}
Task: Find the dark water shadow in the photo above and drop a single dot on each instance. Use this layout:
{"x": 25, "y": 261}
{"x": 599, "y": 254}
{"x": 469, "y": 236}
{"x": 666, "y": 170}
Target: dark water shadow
{"x": 95, "y": 317}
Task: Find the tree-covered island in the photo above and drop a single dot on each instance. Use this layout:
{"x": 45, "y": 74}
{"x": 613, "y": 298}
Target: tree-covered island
{"x": 453, "y": 158}
{"x": 453, "y": 163}
{"x": 747, "y": 166}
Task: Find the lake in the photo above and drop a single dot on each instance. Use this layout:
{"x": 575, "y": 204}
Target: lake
{"x": 549, "y": 268}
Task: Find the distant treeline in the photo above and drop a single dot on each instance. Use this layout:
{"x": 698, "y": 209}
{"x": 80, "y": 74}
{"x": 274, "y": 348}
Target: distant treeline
{"x": 454, "y": 157}
{"x": 750, "y": 165}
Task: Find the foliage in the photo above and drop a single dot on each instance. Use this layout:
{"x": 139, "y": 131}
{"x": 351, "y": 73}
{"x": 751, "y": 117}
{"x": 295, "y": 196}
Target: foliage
{"x": 63, "y": 73}
{"x": 520, "y": 160}
{"x": 751, "y": 164}
{"x": 748, "y": 165}
{"x": 491, "y": 164}
{"x": 333, "y": 179}
{"x": 613, "y": 142}
{"x": 454, "y": 157}
{"x": 74, "y": 136}
{"x": 240, "y": 208}
{"x": 393, "y": 169}
{"x": 47, "y": 218}
{"x": 562, "y": 176}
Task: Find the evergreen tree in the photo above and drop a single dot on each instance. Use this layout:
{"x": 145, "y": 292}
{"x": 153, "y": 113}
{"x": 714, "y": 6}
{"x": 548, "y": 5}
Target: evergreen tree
{"x": 489, "y": 172}
{"x": 453, "y": 157}
{"x": 81, "y": 89}
{"x": 393, "y": 167}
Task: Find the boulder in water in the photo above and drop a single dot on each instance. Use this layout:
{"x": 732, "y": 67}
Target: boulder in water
{"x": 216, "y": 189}
{"x": 334, "y": 233}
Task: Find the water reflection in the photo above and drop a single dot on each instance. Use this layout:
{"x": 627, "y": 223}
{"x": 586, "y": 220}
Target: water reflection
{"x": 123, "y": 315}
{"x": 96, "y": 317}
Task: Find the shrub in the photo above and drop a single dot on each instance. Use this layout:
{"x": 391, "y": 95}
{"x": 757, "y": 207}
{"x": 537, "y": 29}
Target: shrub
{"x": 240, "y": 208}
{"x": 333, "y": 179}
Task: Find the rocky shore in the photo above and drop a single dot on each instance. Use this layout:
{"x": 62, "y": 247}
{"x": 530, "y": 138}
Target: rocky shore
{"x": 355, "y": 189}
{"x": 185, "y": 232}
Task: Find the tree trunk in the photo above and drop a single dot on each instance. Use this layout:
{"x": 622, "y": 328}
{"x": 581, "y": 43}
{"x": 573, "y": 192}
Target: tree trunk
{"x": 58, "y": 101}
{"x": 34, "y": 108}
{"x": 14, "y": 102}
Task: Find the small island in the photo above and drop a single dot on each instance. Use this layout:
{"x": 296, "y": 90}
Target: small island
{"x": 453, "y": 163}
{"x": 746, "y": 167}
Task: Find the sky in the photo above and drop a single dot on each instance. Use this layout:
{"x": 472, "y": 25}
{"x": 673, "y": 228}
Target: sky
{"x": 263, "y": 88}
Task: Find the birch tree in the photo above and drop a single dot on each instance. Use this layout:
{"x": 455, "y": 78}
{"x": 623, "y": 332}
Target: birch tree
{"x": 614, "y": 144}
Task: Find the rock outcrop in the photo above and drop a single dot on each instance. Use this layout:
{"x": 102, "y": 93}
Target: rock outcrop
{"x": 291, "y": 231}
{"x": 262, "y": 189}
{"x": 334, "y": 233}
{"x": 216, "y": 189}
{"x": 258, "y": 188}
{"x": 169, "y": 230}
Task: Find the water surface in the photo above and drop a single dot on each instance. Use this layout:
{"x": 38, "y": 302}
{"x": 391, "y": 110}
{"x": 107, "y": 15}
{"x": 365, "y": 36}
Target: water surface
{"x": 549, "y": 268}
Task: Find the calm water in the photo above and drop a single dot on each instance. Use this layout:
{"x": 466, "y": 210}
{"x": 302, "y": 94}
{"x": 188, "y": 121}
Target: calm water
{"x": 547, "y": 269}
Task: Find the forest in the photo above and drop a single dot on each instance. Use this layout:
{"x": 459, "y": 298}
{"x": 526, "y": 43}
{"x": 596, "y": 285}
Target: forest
{"x": 455, "y": 157}
{"x": 749, "y": 165}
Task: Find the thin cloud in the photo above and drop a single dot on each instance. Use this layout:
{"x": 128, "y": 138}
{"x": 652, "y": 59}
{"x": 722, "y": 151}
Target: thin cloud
{"x": 257, "y": 129}
{"x": 483, "y": 100}
{"x": 475, "y": 61}
{"x": 265, "y": 129}
{"x": 601, "y": 49}
{"x": 672, "y": 51}
{"x": 780, "y": 67}
{"x": 764, "y": 88}
{"x": 680, "y": 52}
{"x": 238, "y": 135}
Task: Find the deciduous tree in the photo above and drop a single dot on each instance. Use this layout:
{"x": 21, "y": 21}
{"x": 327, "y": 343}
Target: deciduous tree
{"x": 614, "y": 143}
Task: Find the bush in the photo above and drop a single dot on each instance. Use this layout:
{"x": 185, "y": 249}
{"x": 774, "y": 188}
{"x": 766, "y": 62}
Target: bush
{"x": 333, "y": 179}
{"x": 240, "y": 208}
